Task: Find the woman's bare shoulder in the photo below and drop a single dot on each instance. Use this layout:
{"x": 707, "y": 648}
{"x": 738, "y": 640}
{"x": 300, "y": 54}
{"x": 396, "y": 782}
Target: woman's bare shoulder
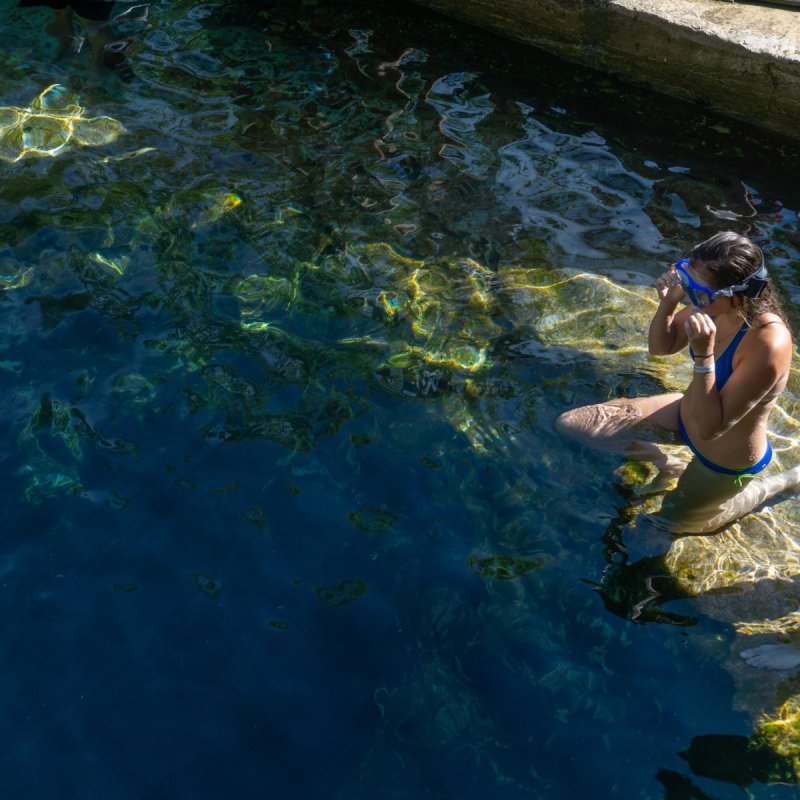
{"x": 769, "y": 332}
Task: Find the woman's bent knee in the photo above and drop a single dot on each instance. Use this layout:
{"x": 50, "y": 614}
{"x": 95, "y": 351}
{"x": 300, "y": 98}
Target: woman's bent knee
{"x": 567, "y": 422}
{"x": 599, "y": 422}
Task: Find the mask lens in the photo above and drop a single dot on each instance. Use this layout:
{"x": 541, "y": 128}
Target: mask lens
{"x": 703, "y": 299}
{"x": 699, "y": 296}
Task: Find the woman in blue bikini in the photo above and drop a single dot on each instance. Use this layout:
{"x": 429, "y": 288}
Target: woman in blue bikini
{"x": 741, "y": 348}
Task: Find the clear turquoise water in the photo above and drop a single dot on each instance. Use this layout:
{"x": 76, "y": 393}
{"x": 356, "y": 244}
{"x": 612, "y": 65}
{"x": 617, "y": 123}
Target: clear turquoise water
{"x": 284, "y": 510}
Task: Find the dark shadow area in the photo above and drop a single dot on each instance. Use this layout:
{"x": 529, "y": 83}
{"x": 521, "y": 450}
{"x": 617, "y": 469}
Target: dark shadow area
{"x": 731, "y": 759}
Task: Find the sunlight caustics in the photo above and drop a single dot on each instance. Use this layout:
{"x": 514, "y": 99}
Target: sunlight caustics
{"x": 52, "y": 122}
{"x": 758, "y": 548}
{"x": 789, "y": 623}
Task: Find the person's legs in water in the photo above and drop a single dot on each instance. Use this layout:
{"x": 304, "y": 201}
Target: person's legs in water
{"x": 705, "y": 501}
{"x": 632, "y": 427}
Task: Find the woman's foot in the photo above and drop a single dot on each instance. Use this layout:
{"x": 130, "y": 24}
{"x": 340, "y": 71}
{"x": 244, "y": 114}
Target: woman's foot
{"x": 773, "y": 656}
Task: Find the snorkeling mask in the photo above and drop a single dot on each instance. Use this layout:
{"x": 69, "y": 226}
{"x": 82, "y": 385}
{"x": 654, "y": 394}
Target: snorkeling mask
{"x": 702, "y": 296}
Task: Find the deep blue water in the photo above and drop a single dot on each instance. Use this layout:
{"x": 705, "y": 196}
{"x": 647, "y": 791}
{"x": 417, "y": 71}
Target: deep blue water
{"x": 284, "y": 511}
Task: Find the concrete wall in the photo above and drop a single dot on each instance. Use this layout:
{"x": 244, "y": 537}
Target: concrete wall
{"x": 742, "y": 60}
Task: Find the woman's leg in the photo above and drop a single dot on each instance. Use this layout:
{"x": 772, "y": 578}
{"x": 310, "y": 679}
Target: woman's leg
{"x": 705, "y": 501}
{"x": 631, "y": 427}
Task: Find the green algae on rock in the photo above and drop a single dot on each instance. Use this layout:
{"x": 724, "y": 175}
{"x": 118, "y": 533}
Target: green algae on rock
{"x": 209, "y": 586}
{"x": 503, "y": 567}
{"x": 372, "y": 519}
{"x": 780, "y": 732}
{"x": 341, "y": 593}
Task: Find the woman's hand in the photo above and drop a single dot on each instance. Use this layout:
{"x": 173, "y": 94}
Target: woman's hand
{"x": 668, "y": 286}
{"x": 701, "y": 332}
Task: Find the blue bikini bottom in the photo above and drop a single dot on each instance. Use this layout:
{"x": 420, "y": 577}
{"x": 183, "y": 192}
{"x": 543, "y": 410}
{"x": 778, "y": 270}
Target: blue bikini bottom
{"x": 757, "y": 467}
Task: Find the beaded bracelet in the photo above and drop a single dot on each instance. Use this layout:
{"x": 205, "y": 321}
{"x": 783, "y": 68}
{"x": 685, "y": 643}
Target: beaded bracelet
{"x": 708, "y": 355}
{"x": 705, "y": 369}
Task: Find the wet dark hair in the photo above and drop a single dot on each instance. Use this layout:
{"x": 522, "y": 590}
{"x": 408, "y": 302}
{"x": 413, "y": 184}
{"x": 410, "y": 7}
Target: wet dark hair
{"x": 731, "y": 257}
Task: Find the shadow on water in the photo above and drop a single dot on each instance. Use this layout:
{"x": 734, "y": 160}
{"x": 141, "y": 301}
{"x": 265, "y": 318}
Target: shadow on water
{"x": 280, "y": 362}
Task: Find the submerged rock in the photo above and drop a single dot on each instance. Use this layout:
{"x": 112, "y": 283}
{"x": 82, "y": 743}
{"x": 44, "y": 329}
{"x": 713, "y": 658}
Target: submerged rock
{"x": 342, "y": 593}
{"x": 209, "y": 586}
